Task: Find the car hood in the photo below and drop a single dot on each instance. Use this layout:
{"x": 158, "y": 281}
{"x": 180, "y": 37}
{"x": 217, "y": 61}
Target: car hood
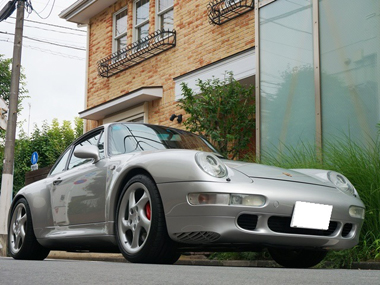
{"x": 261, "y": 171}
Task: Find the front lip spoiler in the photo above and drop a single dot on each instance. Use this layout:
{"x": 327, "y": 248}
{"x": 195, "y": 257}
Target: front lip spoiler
{"x": 292, "y": 181}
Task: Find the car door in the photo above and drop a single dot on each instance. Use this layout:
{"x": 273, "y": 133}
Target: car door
{"x": 57, "y": 198}
{"x": 78, "y": 194}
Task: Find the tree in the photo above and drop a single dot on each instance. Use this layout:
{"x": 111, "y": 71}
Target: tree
{"x": 49, "y": 141}
{"x": 5, "y": 80}
{"x": 5, "y": 87}
{"x": 223, "y": 112}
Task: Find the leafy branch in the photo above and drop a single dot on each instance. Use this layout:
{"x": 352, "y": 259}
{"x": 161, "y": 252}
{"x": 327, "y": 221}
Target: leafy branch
{"x": 223, "y": 111}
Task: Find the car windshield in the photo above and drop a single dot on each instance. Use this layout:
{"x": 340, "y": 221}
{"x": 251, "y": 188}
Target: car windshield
{"x": 126, "y": 138}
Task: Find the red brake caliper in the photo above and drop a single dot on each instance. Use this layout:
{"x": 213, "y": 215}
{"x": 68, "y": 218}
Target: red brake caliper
{"x": 147, "y": 210}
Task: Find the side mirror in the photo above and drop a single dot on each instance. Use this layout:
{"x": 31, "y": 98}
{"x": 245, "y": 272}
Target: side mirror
{"x": 87, "y": 152}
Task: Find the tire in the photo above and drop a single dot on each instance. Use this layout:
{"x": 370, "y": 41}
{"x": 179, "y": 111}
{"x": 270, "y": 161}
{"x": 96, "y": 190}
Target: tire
{"x": 22, "y": 243}
{"x": 140, "y": 226}
{"x": 297, "y": 258}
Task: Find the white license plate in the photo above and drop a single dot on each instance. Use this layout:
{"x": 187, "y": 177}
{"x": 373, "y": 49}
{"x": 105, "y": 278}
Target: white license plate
{"x": 311, "y": 216}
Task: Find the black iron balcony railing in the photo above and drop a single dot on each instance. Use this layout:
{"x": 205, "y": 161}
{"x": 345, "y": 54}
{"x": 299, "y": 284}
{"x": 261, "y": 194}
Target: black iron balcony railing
{"x": 137, "y": 52}
{"x": 221, "y": 11}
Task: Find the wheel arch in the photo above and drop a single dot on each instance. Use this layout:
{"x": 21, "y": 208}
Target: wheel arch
{"x": 15, "y": 200}
{"x": 121, "y": 185}
{"x": 37, "y": 195}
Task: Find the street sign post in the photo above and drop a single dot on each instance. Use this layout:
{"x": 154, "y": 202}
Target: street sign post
{"x": 34, "y": 160}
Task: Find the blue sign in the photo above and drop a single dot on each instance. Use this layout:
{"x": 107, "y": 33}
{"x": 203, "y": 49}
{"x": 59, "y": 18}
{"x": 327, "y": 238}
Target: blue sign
{"x": 34, "y": 158}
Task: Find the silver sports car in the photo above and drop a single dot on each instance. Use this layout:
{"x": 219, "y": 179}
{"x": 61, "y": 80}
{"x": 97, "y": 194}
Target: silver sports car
{"x": 152, "y": 192}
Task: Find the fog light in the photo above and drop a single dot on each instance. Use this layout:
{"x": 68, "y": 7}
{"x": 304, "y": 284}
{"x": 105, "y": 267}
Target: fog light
{"x": 253, "y": 200}
{"x": 357, "y": 212}
{"x": 247, "y": 200}
{"x": 208, "y": 199}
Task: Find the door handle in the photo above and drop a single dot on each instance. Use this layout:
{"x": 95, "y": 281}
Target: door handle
{"x": 57, "y": 182}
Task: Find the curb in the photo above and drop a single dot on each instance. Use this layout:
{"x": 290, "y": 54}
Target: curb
{"x": 199, "y": 260}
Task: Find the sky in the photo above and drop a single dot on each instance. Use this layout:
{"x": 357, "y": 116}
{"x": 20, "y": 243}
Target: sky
{"x": 55, "y": 75}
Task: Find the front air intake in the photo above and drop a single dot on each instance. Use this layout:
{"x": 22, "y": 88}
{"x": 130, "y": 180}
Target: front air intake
{"x": 282, "y": 225}
{"x": 346, "y": 230}
{"x": 247, "y": 222}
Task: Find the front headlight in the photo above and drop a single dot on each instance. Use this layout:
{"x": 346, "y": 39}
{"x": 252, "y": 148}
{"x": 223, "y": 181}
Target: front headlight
{"x": 210, "y": 164}
{"x": 342, "y": 183}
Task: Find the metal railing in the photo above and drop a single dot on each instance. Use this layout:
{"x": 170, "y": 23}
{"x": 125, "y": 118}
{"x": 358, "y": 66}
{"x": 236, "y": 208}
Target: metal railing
{"x": 137, "y": 52}
{"x": 221, "y": 11}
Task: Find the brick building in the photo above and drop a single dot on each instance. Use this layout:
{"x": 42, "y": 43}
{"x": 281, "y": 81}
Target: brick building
{"x": 140, "y": 51}
{"x": 314, "y": 65}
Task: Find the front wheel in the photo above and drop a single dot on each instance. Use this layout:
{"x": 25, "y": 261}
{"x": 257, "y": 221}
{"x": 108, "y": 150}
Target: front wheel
{"x": 297, "y": 258}
{"x": 140, "y": 224}
{"x": 22, "y": 243}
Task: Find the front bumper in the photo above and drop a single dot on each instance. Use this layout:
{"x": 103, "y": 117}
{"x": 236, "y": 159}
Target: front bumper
{"x": 213, "y": 225}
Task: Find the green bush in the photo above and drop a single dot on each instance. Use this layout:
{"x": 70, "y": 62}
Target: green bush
{"x": 223, "y": 112}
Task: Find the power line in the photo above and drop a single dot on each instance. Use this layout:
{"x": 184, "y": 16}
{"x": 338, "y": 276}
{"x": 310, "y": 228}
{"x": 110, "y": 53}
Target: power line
{"x": 61, "y": 40}
{"x": 44, "y": 18}
{"x": 45, "y": 7}
{"x": 46, "y": 50}
{"x": 51, "y": 30}
{"x": 57, "y": 26}
{"x": 46, "y": 42}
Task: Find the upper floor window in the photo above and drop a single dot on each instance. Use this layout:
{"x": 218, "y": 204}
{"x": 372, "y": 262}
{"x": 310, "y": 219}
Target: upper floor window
{"x": 120, "y": 29}
{"x": 141, "y": 19}
{"x": 165, "y": 14}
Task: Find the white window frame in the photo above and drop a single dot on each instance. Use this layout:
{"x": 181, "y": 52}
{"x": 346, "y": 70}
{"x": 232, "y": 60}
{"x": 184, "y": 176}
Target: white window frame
{"x": 160, "y": 13}
{"x": 236, "y": 64}
{"x": 231, "y": 2}
{"x": 137, "y": 26}
{"x": 114, "y": 37}
{"x": 129, "y": 115}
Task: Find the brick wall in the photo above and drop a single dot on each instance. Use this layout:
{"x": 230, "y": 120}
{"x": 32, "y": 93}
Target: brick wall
{"x": 198, "y": 44}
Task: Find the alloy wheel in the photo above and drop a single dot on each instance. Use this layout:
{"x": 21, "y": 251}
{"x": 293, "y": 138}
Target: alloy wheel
{"x": 134, "y": 220}
{"x": 18, "y": 228}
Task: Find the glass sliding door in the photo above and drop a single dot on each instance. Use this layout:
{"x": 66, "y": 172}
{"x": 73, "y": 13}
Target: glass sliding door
{"x": 286, "y": 75}
{"x": 350, "y": 46}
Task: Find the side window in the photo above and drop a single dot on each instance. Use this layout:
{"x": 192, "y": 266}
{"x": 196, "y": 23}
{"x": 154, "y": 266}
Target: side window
{"x": 93, "y": 140}
{"x": 121, "y": 140}
{"x": 60, "y": 166}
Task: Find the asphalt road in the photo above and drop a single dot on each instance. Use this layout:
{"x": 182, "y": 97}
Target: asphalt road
{"x": 71, "y": 272}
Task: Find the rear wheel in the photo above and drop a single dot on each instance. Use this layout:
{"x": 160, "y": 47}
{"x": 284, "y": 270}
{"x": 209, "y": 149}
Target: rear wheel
{"x": 140, "y": 224}
{"x": 22, "y": 243}
{"x": 297, "y": 258}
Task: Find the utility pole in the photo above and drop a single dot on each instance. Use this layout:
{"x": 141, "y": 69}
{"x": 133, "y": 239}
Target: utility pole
{"x": 9, "y": 149}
